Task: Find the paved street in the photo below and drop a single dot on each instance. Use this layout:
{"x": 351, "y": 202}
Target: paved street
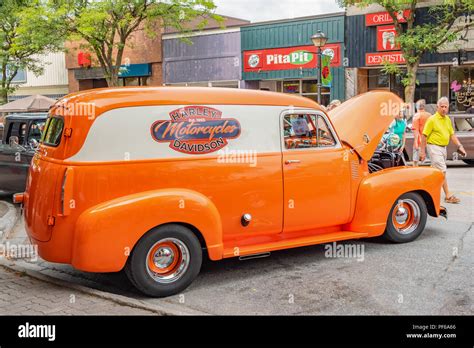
{"x": 433, "y": 275}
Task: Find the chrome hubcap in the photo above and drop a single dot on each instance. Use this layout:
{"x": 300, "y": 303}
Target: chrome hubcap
{"x": 164, "y": 257}
{"x": 401, "y": 215}
{"x": 167, "y": 260}
{"x": 406, "y": 216}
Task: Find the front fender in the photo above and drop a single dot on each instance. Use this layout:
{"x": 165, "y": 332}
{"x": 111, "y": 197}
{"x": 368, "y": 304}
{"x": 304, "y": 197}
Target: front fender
{"x": 106, "y": 233}
{"x": 378, "y": 191}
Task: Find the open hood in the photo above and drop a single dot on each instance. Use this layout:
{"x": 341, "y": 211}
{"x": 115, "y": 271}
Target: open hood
{"x": 361, "y": 121}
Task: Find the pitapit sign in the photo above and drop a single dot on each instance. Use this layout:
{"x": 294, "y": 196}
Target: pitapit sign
{"x": 289, "y": 58}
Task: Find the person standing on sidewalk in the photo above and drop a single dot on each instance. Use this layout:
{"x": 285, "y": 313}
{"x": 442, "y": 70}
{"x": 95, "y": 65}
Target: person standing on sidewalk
{"x": 419, "y": 121}
{"x": 437, "y": 133}
{"x": 398, "y": 127}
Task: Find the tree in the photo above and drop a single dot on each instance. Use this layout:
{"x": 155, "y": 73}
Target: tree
{"x": 416, "y": 39}
{"x": 106, "y": 25}
{"x": 26, "y": 31}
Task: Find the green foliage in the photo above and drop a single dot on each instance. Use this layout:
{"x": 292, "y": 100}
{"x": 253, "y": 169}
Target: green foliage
{"x": 27, "y": 29}
{"x": 106, "y": 25}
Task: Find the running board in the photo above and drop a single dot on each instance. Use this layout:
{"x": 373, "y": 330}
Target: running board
{"x": 254, "y": 256}
{"x": 280, "y": 244}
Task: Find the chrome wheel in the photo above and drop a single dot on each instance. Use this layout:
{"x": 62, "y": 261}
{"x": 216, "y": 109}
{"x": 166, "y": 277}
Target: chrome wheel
{"x": 167, "y": 260}
{"x": 406, "y": 216}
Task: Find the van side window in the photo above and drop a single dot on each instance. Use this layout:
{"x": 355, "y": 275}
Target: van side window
{"x": 325, "y": 137}
{"x": 53, "y": 131}
{"x": 306, "y": 131}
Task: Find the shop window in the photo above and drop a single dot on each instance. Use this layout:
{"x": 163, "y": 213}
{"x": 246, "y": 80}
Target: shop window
{"x": 377, "y": 79}
{"x": 226, "y": 84}
{"x": 134, "y": 81}
{"x": 268, "y": 86}
{"x": 325, "y": 98}
{"x": 131, "y": 81}
{"x": 306, "y": 131}
{"x": 461, "y": 88}
{"x": 396, "y": 86}
{"x": 292, "y": 86}
{"x": 310, "y": 86}
{"x": 223, "y": 84}
{"x": 310, "y": 90}
{"x": 99, "y": 83}
{"x": 427, "y": 87}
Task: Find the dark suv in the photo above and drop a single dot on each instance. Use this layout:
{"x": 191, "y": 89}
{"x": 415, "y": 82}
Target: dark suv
{"x": 21, "y": 135}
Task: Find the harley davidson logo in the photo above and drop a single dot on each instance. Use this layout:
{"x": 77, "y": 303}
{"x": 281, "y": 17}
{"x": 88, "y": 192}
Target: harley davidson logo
{"x": 196, "y": 130}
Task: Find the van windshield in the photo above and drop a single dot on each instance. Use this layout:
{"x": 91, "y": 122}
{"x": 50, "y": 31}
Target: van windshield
{"x": 53, "y": 131}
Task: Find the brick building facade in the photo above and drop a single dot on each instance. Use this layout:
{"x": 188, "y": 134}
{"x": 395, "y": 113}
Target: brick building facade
{"x": 142, "y": 64}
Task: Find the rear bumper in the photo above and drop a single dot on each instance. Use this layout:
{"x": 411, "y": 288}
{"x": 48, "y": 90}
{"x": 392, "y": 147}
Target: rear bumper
{"x": 52, "y": 251}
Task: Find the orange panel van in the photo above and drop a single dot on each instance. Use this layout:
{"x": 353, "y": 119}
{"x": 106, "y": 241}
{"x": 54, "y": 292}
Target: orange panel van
{"x": 152, "y": 180}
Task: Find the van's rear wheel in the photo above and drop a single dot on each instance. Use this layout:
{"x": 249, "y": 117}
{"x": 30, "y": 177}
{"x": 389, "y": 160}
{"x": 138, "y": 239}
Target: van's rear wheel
{"x": 165, "y": 261}
{"x": 407, "y": 218}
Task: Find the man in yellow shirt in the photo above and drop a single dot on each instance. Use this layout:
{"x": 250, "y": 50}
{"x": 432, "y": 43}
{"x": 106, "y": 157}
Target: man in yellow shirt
{"x": 438, "y": 131}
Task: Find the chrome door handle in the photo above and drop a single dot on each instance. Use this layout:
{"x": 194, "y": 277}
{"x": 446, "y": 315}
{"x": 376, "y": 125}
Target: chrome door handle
{"x": 292, "y": 161}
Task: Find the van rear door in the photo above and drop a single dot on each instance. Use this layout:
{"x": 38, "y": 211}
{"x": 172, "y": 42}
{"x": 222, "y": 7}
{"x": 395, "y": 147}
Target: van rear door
{"x": 42, "y": 190}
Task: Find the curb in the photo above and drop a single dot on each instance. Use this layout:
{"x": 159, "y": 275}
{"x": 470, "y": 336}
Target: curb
{"x": 7, "y": 221}
{"x": 24, "y": 267}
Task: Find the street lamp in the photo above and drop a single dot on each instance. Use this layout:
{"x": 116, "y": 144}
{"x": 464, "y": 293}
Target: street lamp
{"x": 319, "y": 40}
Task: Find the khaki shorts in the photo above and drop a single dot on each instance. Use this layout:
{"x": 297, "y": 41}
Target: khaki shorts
{"x": 438, "y": 156}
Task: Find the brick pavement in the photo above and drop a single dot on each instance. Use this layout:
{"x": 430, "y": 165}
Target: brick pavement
{"x": 21, "y": 294}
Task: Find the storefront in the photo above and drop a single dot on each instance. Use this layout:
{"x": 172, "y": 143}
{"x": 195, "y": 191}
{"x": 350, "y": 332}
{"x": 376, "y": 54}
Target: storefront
{"x": 129, "y": 75}
{"x": 279, "y": 56}
{"x": 211, "y": 60}
{"x": 141, "y": 64}
{"x": 370, "y": 39}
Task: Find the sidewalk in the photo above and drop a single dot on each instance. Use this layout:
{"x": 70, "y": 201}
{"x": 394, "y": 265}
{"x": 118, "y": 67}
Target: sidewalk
{"x": 30, "y": 285}
{"x": 21, "y": 294}
{"x": 8, "y": 217}
{"x": 25, "y": 293}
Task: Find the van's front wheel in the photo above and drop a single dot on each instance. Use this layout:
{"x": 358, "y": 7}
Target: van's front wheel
{"x": 407, "y": 218}
{"x": 165, "y": 261}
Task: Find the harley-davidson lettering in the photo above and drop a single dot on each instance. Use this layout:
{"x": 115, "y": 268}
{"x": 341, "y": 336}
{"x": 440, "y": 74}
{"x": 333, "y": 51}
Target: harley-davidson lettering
{"x": 196, "y": 130}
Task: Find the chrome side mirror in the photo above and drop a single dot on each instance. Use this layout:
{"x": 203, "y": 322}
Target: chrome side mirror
{"x": 33, "y": 143}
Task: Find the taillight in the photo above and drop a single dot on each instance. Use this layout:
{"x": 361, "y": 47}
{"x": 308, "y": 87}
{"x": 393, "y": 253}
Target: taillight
{"x": 18, "y": 198}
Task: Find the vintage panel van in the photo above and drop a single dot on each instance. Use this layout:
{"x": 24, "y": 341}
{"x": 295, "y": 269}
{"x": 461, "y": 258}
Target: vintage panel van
{"x": 153, "y": 179}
